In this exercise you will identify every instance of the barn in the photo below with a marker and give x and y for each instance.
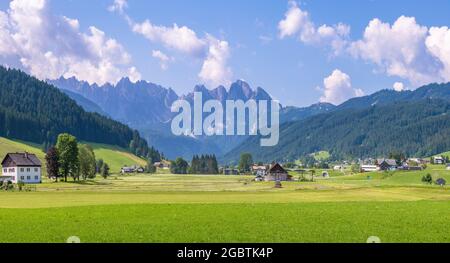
(277, 173)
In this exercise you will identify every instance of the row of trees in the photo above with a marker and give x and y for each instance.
(207, 164)
(69, 159)
(204, 164)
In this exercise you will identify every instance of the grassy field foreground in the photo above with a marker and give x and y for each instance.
(422, 221)
(396, 207)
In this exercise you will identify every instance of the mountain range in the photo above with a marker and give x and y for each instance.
(146, 107)
(359, 127)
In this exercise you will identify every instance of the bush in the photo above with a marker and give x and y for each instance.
(20, 185)
(427, 179)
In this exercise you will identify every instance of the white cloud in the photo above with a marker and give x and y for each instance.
(164, 60)
(215, 70)
(399, 86)
(297, 22)
(118, 6)
(214, 52)
(182, 39)
(294, 19)
(438, 44)
(50, 46)
(338, 88)
(407, 50)
(404, 49)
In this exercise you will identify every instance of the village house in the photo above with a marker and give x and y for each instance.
(277, 173)
(21, 167)
(259, 170)
(369, 168)
(163, 164)
(387, 164)
(438, 160)
(132, 169)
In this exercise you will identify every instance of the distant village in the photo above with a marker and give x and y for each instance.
(26, 168)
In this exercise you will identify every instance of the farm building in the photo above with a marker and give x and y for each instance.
(259, 170)
(132, 169)
(277, 173)
(163, 164)
(387, 164)
(369, 168)
(438, 160)
(21, 167)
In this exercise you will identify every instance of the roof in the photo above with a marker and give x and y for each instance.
(22, 159)
(390, 162)
(277, 168)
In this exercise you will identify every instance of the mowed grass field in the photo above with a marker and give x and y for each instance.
(396, 207)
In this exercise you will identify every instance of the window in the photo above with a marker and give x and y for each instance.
(28, 177)
(22, 178)
(28, 169)
(21, 169)
(12, 170)
(36, 177)
(5, 170)
(36, 169)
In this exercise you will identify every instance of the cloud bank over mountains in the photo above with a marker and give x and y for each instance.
(48, 46)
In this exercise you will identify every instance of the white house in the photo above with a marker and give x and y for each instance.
(369, 168)
(439, 160)
(21, 167)
(259, 170)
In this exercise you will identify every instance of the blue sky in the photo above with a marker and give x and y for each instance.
(239, 40)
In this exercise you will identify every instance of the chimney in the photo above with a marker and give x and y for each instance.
(26, 155)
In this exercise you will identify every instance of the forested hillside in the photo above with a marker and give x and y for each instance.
(34, 111)
(417, 128)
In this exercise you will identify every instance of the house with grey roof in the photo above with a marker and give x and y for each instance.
(387, 164)
(21, 167)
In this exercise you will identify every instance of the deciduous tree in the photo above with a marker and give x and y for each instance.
(69, 163)
(52, 163)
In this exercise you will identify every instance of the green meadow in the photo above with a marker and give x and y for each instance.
(396, 207)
